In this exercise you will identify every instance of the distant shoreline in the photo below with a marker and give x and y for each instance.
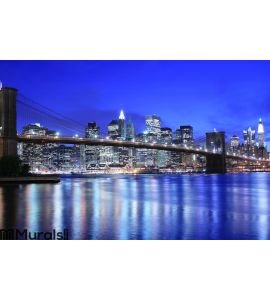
(31, 179)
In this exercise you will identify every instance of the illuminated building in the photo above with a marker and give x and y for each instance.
(249, 142)
(166, 136)
(186, 140)
(122, 125)
(261, 142)
(249, 137)
(34, 129)
(117, 131)
(141, 154)
(235, 144)
(67, 158)
(153, 131)
(37, 156)
(123, 153)
(92, 153)
(164, 157)
(177, 137)
(261, 151)
(47, 157)
(113, 130)
(92, 131)
(106, 156)
(130, 131)
(153, 124)
(186, 135)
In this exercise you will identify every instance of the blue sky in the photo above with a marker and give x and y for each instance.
(226, 95)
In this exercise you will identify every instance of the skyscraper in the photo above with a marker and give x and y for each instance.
(130, 131)
(164, 157)
(166, 135)
(91, 155)
(235, 144)
(92, 131)
(122, 125)
(177, 137)
(186, 139)
(153, 124)
(261, 142)
(141, 155)
(113, 130)
(249, 137)
(186, 135)
(249, 141)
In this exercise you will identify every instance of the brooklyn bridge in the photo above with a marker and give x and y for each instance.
(216, 161)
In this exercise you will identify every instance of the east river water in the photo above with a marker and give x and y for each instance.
(231, 206)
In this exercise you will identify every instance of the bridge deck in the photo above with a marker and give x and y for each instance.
(127, 144)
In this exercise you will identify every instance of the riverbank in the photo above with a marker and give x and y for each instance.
(30, 179)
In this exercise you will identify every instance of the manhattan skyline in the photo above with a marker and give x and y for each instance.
(225, 95)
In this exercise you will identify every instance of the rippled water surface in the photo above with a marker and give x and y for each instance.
(231, 206)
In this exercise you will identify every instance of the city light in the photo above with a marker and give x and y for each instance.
(98, 152)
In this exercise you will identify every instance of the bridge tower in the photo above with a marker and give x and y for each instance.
(215, 142)
(8, 121)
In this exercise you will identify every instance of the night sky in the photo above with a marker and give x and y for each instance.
(226, 95)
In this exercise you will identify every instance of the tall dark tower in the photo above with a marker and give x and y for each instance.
(215, 142)
(8, 121)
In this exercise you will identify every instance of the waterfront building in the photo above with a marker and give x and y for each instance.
(141, 154)
(106, 156)
(92, 156)
(67, 158)
(152, 155)
(50, 152)
(176, 160)
(49, 157)
(123, 156)
(40, 157)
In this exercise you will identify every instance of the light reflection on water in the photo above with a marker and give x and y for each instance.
(232, 206)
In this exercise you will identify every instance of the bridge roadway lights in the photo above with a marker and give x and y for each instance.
(215, 164)
(8, 122)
